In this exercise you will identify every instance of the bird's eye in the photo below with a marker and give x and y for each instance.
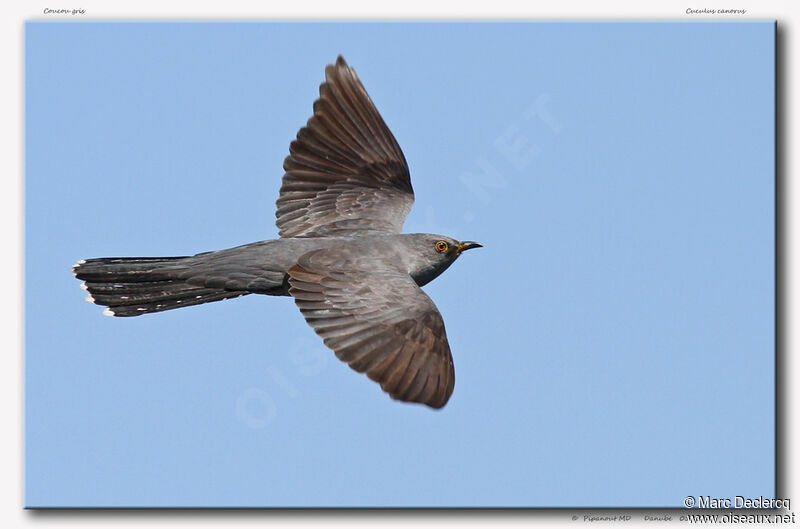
(441, 246)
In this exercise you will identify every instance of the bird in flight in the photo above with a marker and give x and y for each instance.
(341, 255)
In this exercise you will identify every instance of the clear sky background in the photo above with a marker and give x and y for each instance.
(613, 341)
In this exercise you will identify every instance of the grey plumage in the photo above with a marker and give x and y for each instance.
(355, 278)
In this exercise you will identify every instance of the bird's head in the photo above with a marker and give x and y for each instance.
(434, 254)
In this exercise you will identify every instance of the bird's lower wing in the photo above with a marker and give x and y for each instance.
(377, 320)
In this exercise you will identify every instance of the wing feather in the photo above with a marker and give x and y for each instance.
(345, 173)
(377, 320)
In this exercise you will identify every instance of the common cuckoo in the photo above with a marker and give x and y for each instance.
(341, 255)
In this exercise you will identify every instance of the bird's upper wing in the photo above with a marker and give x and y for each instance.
(378, 320)
(345, 172)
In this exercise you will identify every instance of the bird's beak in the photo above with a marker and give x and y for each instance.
(468, 245)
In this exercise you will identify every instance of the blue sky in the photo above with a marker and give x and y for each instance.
(613, 341)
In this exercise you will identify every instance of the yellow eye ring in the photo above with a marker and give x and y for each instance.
(441, 246)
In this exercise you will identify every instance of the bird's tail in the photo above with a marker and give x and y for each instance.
(131, 286)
